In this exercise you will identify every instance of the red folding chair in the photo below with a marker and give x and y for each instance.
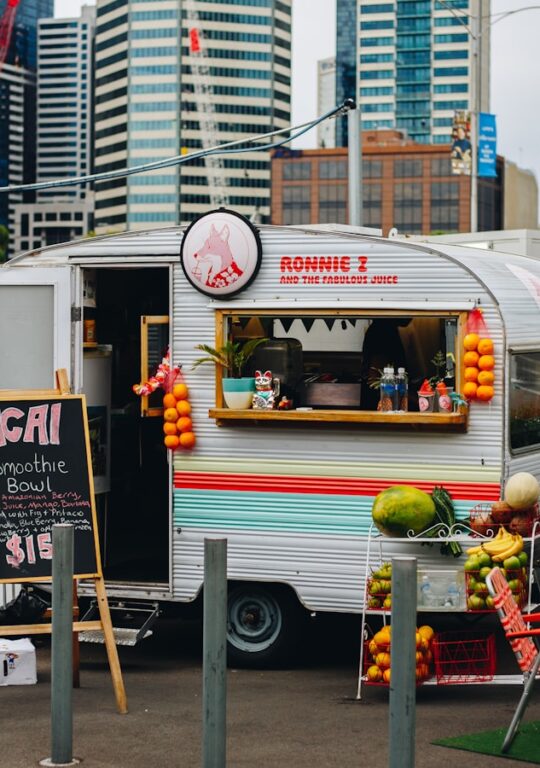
(520, 636)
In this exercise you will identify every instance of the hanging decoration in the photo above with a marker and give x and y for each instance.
(478, 359)
(177, 423)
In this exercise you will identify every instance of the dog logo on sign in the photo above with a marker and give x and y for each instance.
(216, 267)
(221, 253)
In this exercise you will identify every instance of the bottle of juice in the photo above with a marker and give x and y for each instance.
(387, 386)
(401, 391)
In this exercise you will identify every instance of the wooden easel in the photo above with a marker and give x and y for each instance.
(104, 623)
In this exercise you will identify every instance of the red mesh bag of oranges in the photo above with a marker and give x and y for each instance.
(478, 359)
(177, 424)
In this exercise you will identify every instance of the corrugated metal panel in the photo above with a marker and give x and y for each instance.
(326, 570)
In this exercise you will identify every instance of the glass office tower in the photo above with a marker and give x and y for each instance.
(18, 103)
(413, 62)
(151, 103)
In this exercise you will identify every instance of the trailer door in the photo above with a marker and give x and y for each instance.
(35, 326)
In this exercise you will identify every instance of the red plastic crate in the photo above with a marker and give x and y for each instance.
(464, 657)
(376, 600)
(476, 586)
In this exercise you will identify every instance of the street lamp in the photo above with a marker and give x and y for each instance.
(476, 30)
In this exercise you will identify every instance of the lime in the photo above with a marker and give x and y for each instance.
(484, 559)
(484, 572)
(523, 557)
(472, 563)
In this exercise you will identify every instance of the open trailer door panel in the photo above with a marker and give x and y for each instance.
(35, 317)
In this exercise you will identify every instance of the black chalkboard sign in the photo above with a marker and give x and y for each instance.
(45, 478)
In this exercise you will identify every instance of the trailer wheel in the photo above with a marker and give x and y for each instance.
(263, 626)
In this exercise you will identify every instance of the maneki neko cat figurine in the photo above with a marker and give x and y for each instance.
(264, 397)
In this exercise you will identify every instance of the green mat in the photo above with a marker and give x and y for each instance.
(525, 747)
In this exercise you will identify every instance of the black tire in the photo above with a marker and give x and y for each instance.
(263, 626)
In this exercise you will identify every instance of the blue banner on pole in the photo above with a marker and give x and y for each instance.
(487, 145)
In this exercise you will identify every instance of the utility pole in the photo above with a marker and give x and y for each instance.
(355, 167)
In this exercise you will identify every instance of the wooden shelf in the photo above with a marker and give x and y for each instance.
(434, 421)
(90, 344)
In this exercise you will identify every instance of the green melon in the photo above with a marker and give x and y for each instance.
(402, 508)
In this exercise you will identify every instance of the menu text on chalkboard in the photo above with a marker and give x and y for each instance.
(44, 479)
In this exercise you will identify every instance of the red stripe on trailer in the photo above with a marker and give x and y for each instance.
(341, 486)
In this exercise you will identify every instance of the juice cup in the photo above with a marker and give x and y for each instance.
(426, 402)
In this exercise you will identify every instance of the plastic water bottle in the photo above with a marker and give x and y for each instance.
(387, 386)
(427, 594)
(452, 595)
(401, 391)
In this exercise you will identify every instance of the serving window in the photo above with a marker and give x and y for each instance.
(327, 365)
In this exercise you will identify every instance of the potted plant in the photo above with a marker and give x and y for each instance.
(232, 357)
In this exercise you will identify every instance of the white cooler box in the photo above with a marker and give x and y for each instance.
(17, 662)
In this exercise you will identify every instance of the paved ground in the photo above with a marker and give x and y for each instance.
(306, 717)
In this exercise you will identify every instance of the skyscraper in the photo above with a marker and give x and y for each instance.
(17, 103)
(414, 62)
(64, 140)
(154, 99)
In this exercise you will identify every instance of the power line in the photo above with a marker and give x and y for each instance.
(229, 148)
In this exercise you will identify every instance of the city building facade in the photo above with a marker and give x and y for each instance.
(326, 100)
(64, 134)
(412, 63)
(406, 185)
(229, 78)
(18, 106)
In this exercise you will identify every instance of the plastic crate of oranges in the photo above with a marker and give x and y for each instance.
(378, 656)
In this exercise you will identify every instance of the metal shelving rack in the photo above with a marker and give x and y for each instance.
(466, 537)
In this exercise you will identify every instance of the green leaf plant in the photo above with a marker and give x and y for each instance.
(232, 356)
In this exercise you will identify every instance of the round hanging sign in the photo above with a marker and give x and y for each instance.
(221, 253)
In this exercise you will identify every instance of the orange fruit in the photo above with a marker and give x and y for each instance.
(183, 408)
(373, 648)
(426, 631)
(419, 657)
(471, 374)
(172, 442)
(469, 390)
(485, 392)
(485, 347)
(382, 660)
(386, 675)
(169, 427)
(170, 414)
(180, 391)
(470, 342)
(187, 439)
(169, 401)
(420, 672)
(184, 424)
(374, 673)
(486, 362)
(486, 377)
(470, 358)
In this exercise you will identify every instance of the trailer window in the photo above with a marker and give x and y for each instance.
(333, 361)
(524, 401)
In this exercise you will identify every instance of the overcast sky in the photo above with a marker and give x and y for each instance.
(515, 70)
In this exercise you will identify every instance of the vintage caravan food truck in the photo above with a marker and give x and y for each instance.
(291, 487)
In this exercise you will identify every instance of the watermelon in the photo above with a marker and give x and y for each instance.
(403, 508)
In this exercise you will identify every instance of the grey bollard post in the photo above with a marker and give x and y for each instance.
(402, 710)
(215, 654)
(62, 648)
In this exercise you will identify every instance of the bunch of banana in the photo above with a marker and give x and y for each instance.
(503, 545)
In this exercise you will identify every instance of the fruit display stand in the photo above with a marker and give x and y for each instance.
(459, 659)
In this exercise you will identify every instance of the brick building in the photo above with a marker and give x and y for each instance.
(405, 185)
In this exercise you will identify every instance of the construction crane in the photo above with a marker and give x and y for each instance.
(6, 28)
(202, 87)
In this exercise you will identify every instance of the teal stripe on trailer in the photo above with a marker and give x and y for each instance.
(310, 513)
